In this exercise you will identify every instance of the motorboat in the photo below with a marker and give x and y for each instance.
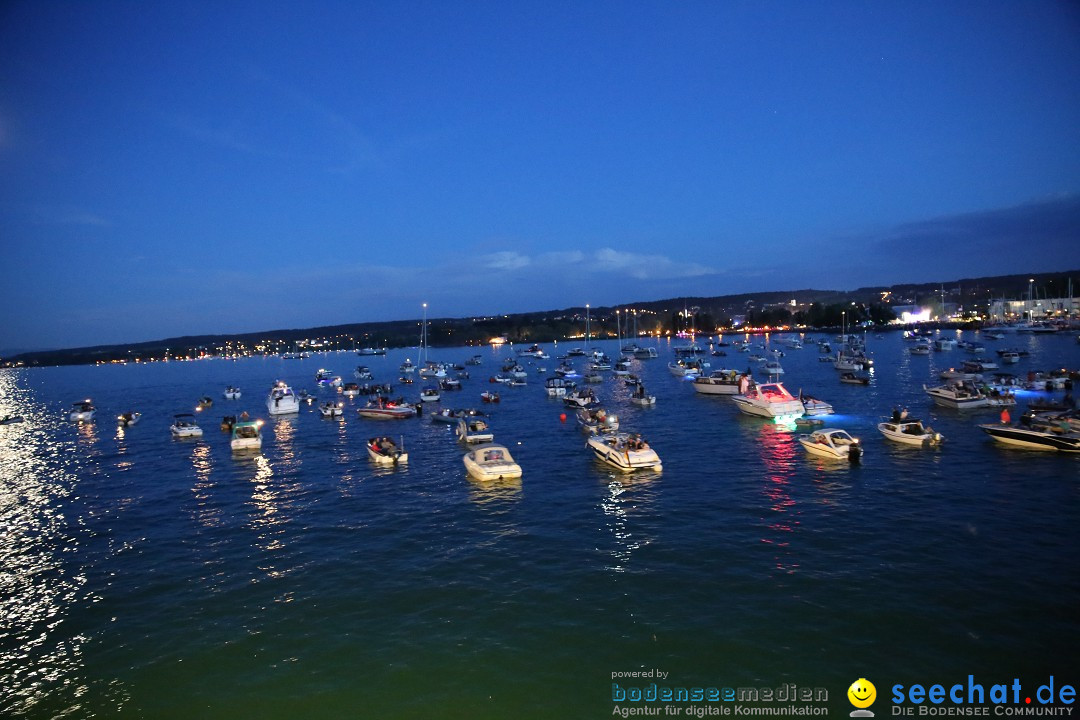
(772, 367)
(910, 432)
(769, 400)
(979, 366)
(597, 421)
(184, 425)
(430, 394)
(565, 369)
(232, 393)
(331, 409)
(625, 452)
(11, 419)
(474, 360)
(642, 398)
(385, 451)
(815, 406)
(407, 366)
(433, 370)
(474, 430)
(246, 435)
(490, 461)
(580, 399)
(350, 389)
(832, 443)
(371, 351)
(1034, 438)
(557, 386)
(129, 418)
(450, 384)
(306, 397)
(451, 417)
(920, 348)
(718, 382)
(489, 397)
(954, 374)
(362, 372)
(535, 351)
(1010, 357)
(645, 353)
(227, 422)
(854, 379)
(687, 366)
(965, 396)
(592, 377)
(380, 409)
(944, 344)
(622, 368)
(82, 411)
(324, 376)
(282, 400)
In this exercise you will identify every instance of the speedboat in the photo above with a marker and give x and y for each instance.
(491, 462)
(718, 382)
(205, 402)
(1010, 357)
(815, 406)
(232, 393)
(910, 432)
(331, 409)
(184, 425)
(920, 348)
(489, 397)
(960, 396)
(597, 421)
(385, 451)
(645, 353)
(350, 389)
(451, 417)
(82, 411)
(362, 372)
(449, 384)
(282, 400)
(324, 376)
(944, 344)
(385, 410)
(129, 418)
(687, 366)
(1034, 438)
(772, 367)
(474, 430)
(642, 398)
(854, 379)
(769, 400)
(832, 443)
(430, 394)
(246, 435)
(580, 399)
(625, 452)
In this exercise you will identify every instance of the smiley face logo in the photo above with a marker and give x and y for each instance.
(862, 693)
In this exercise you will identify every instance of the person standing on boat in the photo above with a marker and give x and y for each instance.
(1005, 417)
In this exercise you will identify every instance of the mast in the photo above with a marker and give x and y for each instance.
(421, 358)
(586, 327)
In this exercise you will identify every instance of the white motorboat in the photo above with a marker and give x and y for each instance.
(642, 398)
(815, 406)
(363, 372)
(718, 382)
(580, 399)
(1010, 357)
(920, 348)
(448, 416)
(832, 443)
(490, 461)
(944, 344)
(371, 351)
(597, 421)
(910, 432)
(184, 425)
(385, 410)
(622, 367)
(1034, 438)
(232, 393)
(82, 411)
(645, 353)
(282, 400)
(959, 396)
(772, 367)
(350, 389)
(129, 418)
(331, 409)
(474, 430)
(385, 451)
(557, 386)
(324, 376)
(449, 384)
(769, 400)
(979, 366)
(592, 377)
(624, 452)
(687, 366)
(246, 435)
(407, 366)
(430, 394)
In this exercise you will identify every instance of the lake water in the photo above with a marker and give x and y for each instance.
(150, 577)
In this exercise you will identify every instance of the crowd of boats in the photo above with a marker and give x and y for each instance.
(1053, 426)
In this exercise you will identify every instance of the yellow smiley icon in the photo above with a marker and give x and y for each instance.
(862, 693)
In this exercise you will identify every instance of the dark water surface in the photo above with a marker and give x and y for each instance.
(150, 577)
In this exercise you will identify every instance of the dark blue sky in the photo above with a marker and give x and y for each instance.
(201, 167)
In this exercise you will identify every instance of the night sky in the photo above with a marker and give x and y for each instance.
(172, 168)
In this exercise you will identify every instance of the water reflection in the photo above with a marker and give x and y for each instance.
(273, 499)
(625, 496)
(779, 455)
(490, 494)
(41, 658)
(205, 513)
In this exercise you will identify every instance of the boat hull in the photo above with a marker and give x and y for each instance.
(1026, 439)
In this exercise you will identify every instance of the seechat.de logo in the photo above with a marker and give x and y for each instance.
(862, 694)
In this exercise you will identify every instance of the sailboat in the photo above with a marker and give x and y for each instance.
(428, 369)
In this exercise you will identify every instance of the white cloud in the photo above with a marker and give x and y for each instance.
(506, 260)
